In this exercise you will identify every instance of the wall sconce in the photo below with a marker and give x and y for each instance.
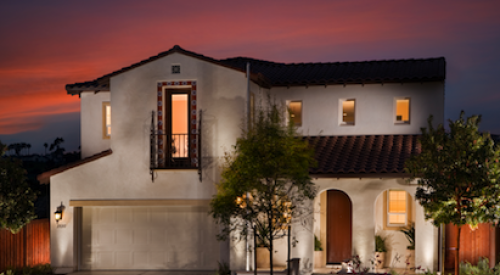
(59, 213)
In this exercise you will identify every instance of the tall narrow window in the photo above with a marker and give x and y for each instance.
(402, 110)
(179, 130)
(106, 120)
(397, 208)
(348, 108)
(295, 109)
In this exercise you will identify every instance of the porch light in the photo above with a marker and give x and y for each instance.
(59, 212)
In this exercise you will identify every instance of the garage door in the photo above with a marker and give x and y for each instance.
(162, 237)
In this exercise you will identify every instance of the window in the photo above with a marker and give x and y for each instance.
(295, 109)
(402, 110)
(348, 108)
(106, 120)
(179, 125)
(397, 208)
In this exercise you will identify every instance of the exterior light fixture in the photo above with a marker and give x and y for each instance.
(59, 212)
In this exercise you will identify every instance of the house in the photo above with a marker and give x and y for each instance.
(152, 138)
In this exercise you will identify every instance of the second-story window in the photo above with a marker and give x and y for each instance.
(178, 134)
(402, 110)
(106, 120)
(348, 111)
(295, 109)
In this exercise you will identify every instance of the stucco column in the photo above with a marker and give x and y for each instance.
(363, 227)
(426, 241)
(237, 250)
(303, 233)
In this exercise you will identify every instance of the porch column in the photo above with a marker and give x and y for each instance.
(303, 232)
(426, 241)
(363, 226)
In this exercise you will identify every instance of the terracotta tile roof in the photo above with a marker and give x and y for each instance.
(362, 156)
(268, 74)
(44, 178)
(383, 71)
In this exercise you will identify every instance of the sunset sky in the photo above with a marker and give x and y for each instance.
(48, 44)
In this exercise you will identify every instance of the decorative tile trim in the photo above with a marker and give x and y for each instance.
(193, 146)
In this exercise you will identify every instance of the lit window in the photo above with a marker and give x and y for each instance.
(295, 109)
(397, 208)
(106, 120)
(348, 107)
(403, 110)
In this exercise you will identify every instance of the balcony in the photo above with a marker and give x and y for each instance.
(174, 151)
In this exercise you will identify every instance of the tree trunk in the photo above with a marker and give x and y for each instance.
(457, 251)
(254, 251)
(288, 255)
(271, 243)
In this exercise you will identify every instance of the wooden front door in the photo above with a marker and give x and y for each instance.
(338, 227)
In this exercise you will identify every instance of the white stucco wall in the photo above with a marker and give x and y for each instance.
(92, 141)
(374, 107)
(125, 174)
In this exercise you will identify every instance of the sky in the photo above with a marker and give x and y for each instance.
(47, 44)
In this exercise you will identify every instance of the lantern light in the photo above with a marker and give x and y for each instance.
(59, 213)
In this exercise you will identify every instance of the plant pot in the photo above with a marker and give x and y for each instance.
(379, 260)
(263, 257)
(410, 258)
(318, 259)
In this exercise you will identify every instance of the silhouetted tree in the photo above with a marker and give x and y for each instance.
(16, 197)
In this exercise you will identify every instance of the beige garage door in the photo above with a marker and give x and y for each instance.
(162, 237)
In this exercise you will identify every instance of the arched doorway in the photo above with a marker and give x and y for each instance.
(338, 227)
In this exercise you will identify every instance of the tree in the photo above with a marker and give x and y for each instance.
(16, 197)
(458, 175)
(264, 179)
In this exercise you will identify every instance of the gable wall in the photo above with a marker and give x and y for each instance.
(125, 174)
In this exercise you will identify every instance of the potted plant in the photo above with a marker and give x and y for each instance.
(380, 250)
(262, 247)
(410, 250)
(318, 253)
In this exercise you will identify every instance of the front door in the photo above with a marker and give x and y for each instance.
(339, 227)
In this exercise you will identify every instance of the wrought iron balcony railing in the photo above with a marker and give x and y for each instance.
(175, 151)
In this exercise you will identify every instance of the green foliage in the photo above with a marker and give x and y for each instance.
(410, 236)
(265, 179)
(42, 269)
(16, 197)
(380, 244)
(482, 268)
(458, 174)
(223, 269)
(317, 244)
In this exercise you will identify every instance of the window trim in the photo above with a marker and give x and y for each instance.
(301, 112)
(394, 115)
(105, 134)
(341, 112)
(386, 224)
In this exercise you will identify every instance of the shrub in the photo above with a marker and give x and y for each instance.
(380, 244)
(482, 268)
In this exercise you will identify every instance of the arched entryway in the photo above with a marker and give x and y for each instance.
(338, 227)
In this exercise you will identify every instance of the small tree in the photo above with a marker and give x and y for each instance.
(458, 175)
(16, 197)
(264, 179)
